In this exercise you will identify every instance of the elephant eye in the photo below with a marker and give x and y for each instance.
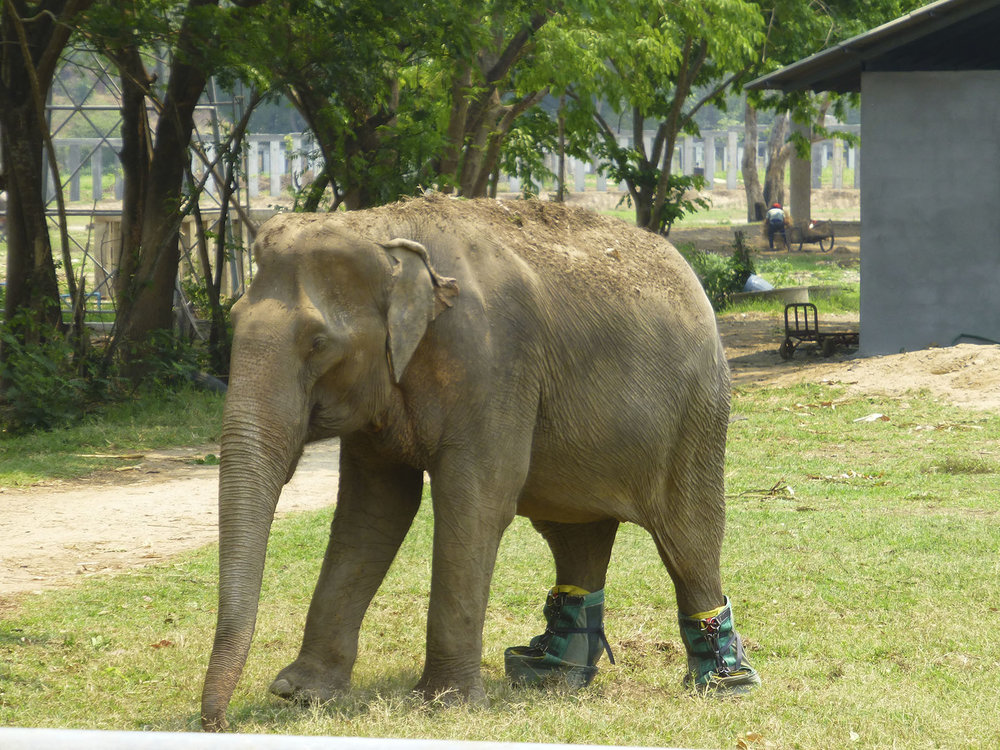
(325, 350)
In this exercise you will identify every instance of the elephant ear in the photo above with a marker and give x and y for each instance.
(418, 294)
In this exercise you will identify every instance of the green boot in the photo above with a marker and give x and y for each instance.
(716, 660)
(568, 650)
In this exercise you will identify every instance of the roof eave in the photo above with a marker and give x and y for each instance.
(817, 71)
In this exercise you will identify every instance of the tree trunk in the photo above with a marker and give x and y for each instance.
(756, 207)
(29, 55)
(455, 134)
(479, 120)
(779, 150)
(32, 287)
(148, 269)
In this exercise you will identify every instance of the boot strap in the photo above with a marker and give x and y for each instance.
(579, 631)
(710, 632)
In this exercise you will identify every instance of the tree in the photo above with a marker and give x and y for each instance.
(32, 38)
(401, 95)
(658, 64)
(491, 86)
(352, 69)
(154, 153)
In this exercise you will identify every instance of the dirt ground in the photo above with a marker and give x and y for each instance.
(161, 503)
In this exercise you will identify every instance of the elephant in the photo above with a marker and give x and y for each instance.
(533, 359)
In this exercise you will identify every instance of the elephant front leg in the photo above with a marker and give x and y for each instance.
(470, 516)
(375, 508)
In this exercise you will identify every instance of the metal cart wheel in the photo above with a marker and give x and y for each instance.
(826, 243)
(787, 349)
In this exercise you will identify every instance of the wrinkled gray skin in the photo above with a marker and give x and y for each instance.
(516, 394)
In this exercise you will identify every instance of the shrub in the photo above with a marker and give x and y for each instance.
(44, 385)
(721, 276)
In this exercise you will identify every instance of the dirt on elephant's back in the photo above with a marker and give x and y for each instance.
(583, 249)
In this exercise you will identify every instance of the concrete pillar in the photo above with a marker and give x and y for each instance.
(732, 159)
(687, 155)
(856, 151)
(800, 183)
(838, 163)
(97, 174)
(74, 172)
(579, 175)
(710, 160)
(276, 166)
(602, 183)
(297, 164)
(253, 168)
(513, 184)
(817, 153)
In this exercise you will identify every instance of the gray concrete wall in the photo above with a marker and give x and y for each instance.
(930, 209)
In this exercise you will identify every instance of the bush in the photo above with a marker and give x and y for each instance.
(721, 276)
(44, 385)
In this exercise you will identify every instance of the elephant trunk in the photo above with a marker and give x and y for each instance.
(255, 463)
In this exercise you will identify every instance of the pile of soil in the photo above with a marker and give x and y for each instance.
(966, 375)
(585, 250)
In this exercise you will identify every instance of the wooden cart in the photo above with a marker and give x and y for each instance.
(819, 232)
(802, 326)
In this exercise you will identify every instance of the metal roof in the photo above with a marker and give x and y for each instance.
(944, 35)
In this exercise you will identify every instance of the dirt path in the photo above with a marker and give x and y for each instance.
(163, 504)
(966, 375)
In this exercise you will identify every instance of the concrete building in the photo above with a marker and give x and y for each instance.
(930, 181)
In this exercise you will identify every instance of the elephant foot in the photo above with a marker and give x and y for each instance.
(301, 682)
(567, 652)
(451, 694)
(717, 663)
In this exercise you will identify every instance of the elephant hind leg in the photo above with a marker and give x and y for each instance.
(693, 564)
(581, 551)
(687, 525)
(689, 541)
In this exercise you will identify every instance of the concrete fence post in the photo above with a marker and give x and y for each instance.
(838, 163)
(709, 160)
(732, 159)
(276, 165)
(74, 172)
(97, 174)
(253, 167)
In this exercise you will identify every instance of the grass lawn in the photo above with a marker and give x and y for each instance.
(150, 420)
(860, 558)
